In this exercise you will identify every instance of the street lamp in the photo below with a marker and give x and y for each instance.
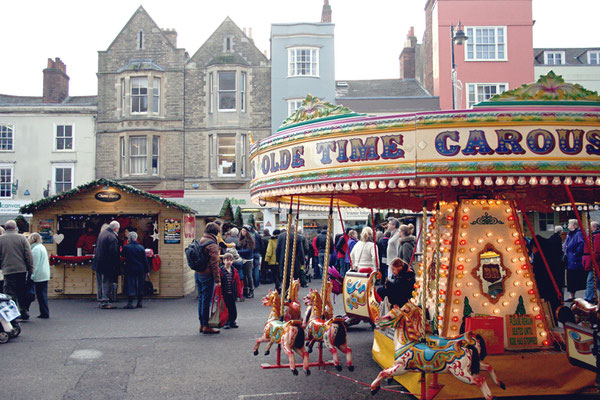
(459, 39)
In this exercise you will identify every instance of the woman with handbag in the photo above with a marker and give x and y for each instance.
(364, 252)
(41, 273)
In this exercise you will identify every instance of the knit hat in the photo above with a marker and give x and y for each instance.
(276, 232)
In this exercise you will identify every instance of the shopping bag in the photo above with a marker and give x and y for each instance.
(218, 311)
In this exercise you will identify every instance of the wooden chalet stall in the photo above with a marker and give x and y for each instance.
(164, 228)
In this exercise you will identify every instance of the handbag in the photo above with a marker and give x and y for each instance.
(218, 310)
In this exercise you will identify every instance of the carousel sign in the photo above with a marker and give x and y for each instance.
(107, 196)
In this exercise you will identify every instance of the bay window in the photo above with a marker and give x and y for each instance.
(303, 61)
(227, 91)
(228, 155)
(139, 155)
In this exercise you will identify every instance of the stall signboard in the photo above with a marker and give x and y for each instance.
(172, 231)
(521, 331)
(46, 230)
(189, 226)
(108, 196)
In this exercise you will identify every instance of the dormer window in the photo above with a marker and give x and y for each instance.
(594, 57)
(140, 40)
(554, 57)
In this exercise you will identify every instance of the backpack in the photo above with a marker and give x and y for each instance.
(197, 258)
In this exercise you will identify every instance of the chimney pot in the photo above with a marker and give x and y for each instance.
(56, 82)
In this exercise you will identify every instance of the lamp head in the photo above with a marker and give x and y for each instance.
(460, 37)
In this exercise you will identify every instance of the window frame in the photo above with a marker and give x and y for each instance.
(243, 97)
(57, 166)
(138, 96)
(293, 65)
(476, 85)
(56, 126)
(156, 92)
(123, 154)
(137, 156)
(218, 154)
(10, 167)
(243, 154)
(7, 127)
(155, 155)
(227, 91)
(554, 53)
(473, 36)
(589, 58)
(293, 102)
(211, 92)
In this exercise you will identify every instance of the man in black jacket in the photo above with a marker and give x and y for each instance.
(321, 244)
(281, 241)
(107, 262)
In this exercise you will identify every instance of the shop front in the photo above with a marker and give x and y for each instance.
(70, 222)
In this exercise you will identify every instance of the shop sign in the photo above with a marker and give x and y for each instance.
(11, 207)
(172, 231)
(107, 196)
(46, 230)
(521, 331)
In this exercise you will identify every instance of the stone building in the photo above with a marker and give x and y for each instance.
(176, 125)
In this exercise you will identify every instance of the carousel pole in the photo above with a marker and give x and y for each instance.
(375, 242)
(437, 268)
(326, 260)
(585, 235)
(343, 228)
(424, 282)
(293, 266)
(537, 243)
(286, 258)
(593, 255)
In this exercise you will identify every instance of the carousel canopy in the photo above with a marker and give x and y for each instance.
(524, 144)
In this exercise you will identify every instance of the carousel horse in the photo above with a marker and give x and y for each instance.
(332, 331)
(287, 333)
(292, 306)
(328, 307)
(460, 356)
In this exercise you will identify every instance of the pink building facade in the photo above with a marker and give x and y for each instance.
(497, 56)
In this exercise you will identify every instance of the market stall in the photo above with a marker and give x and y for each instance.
(69, 223)
(474, 174)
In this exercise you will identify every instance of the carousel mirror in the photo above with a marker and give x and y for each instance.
(491, 273)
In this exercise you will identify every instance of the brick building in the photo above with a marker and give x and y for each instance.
(177, 125)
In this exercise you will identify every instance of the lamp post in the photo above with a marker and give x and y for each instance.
(459, 38)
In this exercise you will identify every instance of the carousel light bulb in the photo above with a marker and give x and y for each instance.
(363, 185)
(489, 234)
(433, 182)
(598, 181)
(578, 180)
(533, 181)
(543, 334)
(516, 283)
(477, 181)
(354, 186)
(401, 183)
(463, 234)
(518, 272)
(510, 180)
(499, 181)
(459, 275)
(411, 183)
(469, 284)
(568, 181)
(485, 304)
(466, 181)
(391, 184)
(526, 275)
(540, 326)
(509, 249)
(488, 181)
(455, 311)
(480, 240)
(521, 258)
(456, 301)
(444, 182)
(529, 283)
(422, 182)
(454, 181)
(475, 294)
(512, 294)
(454, 328)
(514, 260)
(499, 240)
(472, 249)
(521, 180)
(458, 284)
(536, 309)
(505, 303)
(556, 180)
(468, 260)
(496, 311)
(589, 181)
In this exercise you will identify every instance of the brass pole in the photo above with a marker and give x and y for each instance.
(293, 266)
(326, 260)
(424, 272)
(286, 258)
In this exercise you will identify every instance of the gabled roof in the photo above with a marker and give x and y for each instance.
(223, 26)
(573, 55)
(377, 88)
(144, 13)
(46, 202)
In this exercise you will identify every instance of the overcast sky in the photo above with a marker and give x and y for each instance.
(369, 34)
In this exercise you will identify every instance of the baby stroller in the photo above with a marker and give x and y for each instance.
(9, 326)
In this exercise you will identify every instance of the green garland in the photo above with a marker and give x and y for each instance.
(43, 203)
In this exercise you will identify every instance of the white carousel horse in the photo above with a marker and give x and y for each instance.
(332, 332)
(461, 356)
(287, 333)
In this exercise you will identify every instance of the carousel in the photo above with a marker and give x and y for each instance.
(474, 175)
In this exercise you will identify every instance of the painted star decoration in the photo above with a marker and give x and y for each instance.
(154, 235)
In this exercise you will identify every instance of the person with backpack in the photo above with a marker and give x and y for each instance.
(207, 275)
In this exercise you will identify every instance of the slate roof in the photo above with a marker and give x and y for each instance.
(380, 88)
(70, 101)
(573, 56)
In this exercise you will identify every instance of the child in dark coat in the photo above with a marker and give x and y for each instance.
(231, 287)
(399, 284)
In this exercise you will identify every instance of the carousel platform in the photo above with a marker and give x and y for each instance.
(524, 373)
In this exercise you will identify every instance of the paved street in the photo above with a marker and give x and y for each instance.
(83, 352)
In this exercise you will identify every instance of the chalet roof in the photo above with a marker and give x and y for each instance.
(48, 201)
(573, 55)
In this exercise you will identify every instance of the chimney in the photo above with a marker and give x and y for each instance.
(326, 13)
(56, 82)
(408, 56)
(171, 34)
